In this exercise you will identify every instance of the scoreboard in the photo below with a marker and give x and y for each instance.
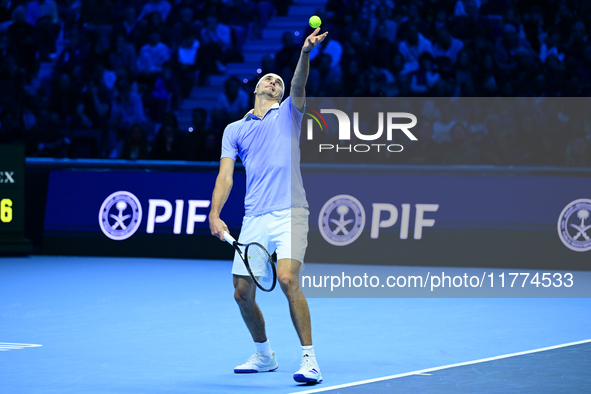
(12, 192)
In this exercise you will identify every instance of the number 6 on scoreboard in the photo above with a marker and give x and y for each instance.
(6, 210)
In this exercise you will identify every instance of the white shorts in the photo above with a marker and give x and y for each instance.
(284, 232)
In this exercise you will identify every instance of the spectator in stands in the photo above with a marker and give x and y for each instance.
(552, 45)
(424, 150)
(22, 37)
(439, 23)
(462, 71)
(167, 144)
(584, 70)
(184, 62)
(288, 55)
(548, 153)
(372, 84)
(43, 15)
(232, 104)
(161, 6)
(503, 151)
(151, 58)
(135, 146)
(459, 150)
(38, 9)
(128, 26)
(64, 99)
(464, 25)
(126, 109)
(327, 75)
(412, 17)
(381, 48)
(355, 49)
(487, 78)
(97, 54)
(575, 48)
(73, 57)
(400, 83)
(555, 75)
(216, 39)
(164, 95)
(510, 47)
(351, 79)
(383, 17)
(210, 148)
(185, 28)
(563, 19)
(425, 78)
(412, 47)
(95, 102)
(152, 23)
(45, 138)
(193, 138)
(10, 130)
(331, 47)
(447, 46)
(216, 33)
(443, 125)
(96, 16)
(199, 122)
(123, 56)
(578, 152)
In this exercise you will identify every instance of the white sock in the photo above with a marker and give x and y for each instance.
(308, 351)
(264, 348)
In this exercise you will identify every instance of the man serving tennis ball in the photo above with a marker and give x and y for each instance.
(276, 210)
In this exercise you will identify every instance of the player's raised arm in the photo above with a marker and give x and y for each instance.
(221, 191)
(300, 76)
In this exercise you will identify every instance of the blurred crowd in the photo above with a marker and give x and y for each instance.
(128, 65)
(501, 131)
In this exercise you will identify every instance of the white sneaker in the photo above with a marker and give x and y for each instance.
(258, 363)
(308, 372)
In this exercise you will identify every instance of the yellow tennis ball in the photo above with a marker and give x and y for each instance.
(315, 22)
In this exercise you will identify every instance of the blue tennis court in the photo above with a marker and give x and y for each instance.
(130, 325)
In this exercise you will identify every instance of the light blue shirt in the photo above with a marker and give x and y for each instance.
(270, 151)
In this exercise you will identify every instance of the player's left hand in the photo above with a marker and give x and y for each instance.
(314, 39)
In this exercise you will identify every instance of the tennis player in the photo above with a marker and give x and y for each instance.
(276, 210)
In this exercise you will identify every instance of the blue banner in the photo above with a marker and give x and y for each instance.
(361, 217)
(135, 213)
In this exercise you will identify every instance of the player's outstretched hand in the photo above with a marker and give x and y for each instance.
(217, 227)
(314, 39)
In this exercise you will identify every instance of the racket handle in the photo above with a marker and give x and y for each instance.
(228, 238)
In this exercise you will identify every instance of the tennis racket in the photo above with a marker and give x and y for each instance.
(258, 262)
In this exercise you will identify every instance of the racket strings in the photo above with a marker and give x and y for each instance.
(261, 265)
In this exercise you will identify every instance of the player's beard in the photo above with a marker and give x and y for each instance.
(266, 95)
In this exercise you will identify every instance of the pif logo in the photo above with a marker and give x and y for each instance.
(344, 131)
(120, 215)
(342, 219)
(574, 233)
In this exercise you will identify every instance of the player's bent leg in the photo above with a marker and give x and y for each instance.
(244, 294)
(289, 279)
(288, 275)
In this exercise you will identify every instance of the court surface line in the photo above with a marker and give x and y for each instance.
(5, 346)
(424, 371)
